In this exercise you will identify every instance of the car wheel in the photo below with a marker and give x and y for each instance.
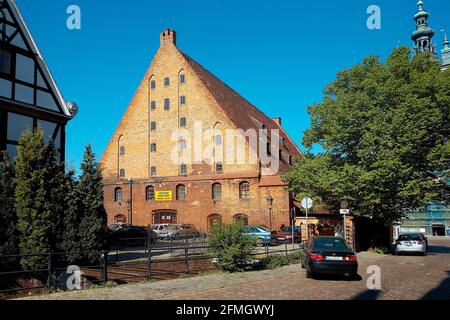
(425, 253)
(260, 242)
(309, 274)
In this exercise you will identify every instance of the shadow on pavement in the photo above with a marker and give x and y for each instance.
(336, 277)
(367, 295)
(441, 292)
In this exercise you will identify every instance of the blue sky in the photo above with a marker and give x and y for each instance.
(278, 54)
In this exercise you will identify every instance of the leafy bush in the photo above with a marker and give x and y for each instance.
(230, 248)
(381, 250)
(279, 260)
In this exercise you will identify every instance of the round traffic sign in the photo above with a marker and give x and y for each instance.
(307, 203)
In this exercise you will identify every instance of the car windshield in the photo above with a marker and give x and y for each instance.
(333, 244)
(263, 229)
(408, 237)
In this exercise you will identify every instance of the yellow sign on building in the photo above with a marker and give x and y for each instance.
(163, 195)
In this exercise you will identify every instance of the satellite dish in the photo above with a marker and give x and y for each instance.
(73, 108)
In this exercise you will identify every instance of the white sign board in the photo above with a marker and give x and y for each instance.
(307, 203)
(345, 211)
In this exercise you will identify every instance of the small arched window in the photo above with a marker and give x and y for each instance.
(120, 218)
(244, 190)
(216, 191)
(118, 195)
(214, 221)
(242, 218)
(181, 192)
(150, 193)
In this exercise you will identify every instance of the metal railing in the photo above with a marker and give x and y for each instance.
(121, 263)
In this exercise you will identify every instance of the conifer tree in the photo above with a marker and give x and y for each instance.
(8, 218)
(34, 223)
(92, 229)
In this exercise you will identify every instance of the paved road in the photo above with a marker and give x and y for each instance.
(402, 277)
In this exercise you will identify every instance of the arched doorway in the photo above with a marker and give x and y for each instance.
(242, 218)
(120, 218)
(164, 216)
(214, 220)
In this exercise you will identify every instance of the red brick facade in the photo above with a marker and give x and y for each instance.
(194, 94)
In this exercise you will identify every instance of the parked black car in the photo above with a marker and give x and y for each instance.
(131, 235)
(329, 255)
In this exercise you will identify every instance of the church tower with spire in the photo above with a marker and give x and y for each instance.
(423, 35)
(445, 54)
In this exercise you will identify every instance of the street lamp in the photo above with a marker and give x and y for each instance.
(269, 203)
(130, 202)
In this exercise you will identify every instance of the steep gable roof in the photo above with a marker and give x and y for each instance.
(243, 114)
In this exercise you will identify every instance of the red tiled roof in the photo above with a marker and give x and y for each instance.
(239, 110)
(271, 181)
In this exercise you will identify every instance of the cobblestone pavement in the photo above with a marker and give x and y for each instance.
(402, 277)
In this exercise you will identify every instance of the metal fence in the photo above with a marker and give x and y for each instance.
(126, 261)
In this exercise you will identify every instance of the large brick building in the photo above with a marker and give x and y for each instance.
(179, 107)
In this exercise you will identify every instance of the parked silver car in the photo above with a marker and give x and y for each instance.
(411, 243)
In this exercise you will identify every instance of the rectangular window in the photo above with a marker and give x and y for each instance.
(183, 170)
(5, 61)
(167, 104)
(153, 126)
(218, 140)
(219, 167)
(122, 173)
(183, 144)
(166, 82)
(153, 147)
(25, 68)
(153, 105)
(153, 171)
(182, 100)
(122, 150)
(17, 124)
(153, 84)
(182, 79)
(183, 122)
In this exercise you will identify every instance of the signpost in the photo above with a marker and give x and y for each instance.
(307, 203)
(344, 212)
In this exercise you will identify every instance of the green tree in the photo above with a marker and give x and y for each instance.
(8, 218)
(34, 220)
(384, 133)
(69, 235)
(92, 229)
(231, 248)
